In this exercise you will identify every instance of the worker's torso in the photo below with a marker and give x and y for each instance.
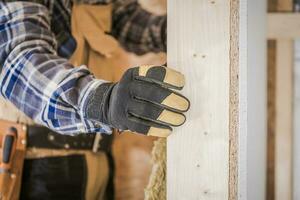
(94, 170)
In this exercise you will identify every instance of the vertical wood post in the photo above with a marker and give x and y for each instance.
(284, 113)
(207, 41)
(283, 128)
(211, 155)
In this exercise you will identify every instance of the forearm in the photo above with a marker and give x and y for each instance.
(138, 30)
(41, 84)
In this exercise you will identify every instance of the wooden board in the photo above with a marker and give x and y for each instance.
(283, 25)
(283, 128)
(200, 46)
(280, 53)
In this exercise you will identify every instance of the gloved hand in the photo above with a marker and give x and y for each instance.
(142, 101)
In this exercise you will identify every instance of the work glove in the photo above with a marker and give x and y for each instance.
(141, 102)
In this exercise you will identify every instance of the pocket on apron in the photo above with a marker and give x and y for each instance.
(59, 178)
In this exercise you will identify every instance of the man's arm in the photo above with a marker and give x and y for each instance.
(70, 100)
(138, 30)
(41, 84)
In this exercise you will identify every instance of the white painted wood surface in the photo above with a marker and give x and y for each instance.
(284, 110)
(198, 152)
(296, 149)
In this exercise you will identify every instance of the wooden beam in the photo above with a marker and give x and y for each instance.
(206, 44)
(280, 84)
(283, 25)
(284, 113)
(283, 126)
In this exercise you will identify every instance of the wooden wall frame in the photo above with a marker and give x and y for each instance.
(283, 27)
(207, 157)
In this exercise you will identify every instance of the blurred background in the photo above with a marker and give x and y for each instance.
(283, 134)
(132, 152)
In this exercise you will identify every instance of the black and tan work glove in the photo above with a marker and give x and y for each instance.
(142, 101)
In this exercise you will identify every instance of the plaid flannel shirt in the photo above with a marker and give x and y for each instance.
(35, 42)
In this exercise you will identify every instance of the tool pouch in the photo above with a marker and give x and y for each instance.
(12, 155)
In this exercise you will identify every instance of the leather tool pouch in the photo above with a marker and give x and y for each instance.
(10, 180)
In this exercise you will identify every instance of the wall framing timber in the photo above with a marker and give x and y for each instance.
(207, 157)
(280, 99)
(283, 126)
(283, 25)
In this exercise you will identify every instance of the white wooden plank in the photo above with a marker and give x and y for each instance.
(283, 130)
(198, 152)
(283, 25)
(296, 149)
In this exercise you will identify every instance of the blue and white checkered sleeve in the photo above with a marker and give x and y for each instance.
(44, 86)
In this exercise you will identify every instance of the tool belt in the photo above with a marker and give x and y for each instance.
(42, 137)
(11, 159)
(13, 150)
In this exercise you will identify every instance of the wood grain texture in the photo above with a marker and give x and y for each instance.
(283, 126)
(283, 25)
(198, 153)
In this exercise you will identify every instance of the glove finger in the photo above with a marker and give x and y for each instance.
(148, 128)
(161, 96)
(161, 75)
(156, 114)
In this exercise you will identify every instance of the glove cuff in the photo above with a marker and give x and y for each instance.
(98, 103)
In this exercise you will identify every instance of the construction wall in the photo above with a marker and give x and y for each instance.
(283, 91)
